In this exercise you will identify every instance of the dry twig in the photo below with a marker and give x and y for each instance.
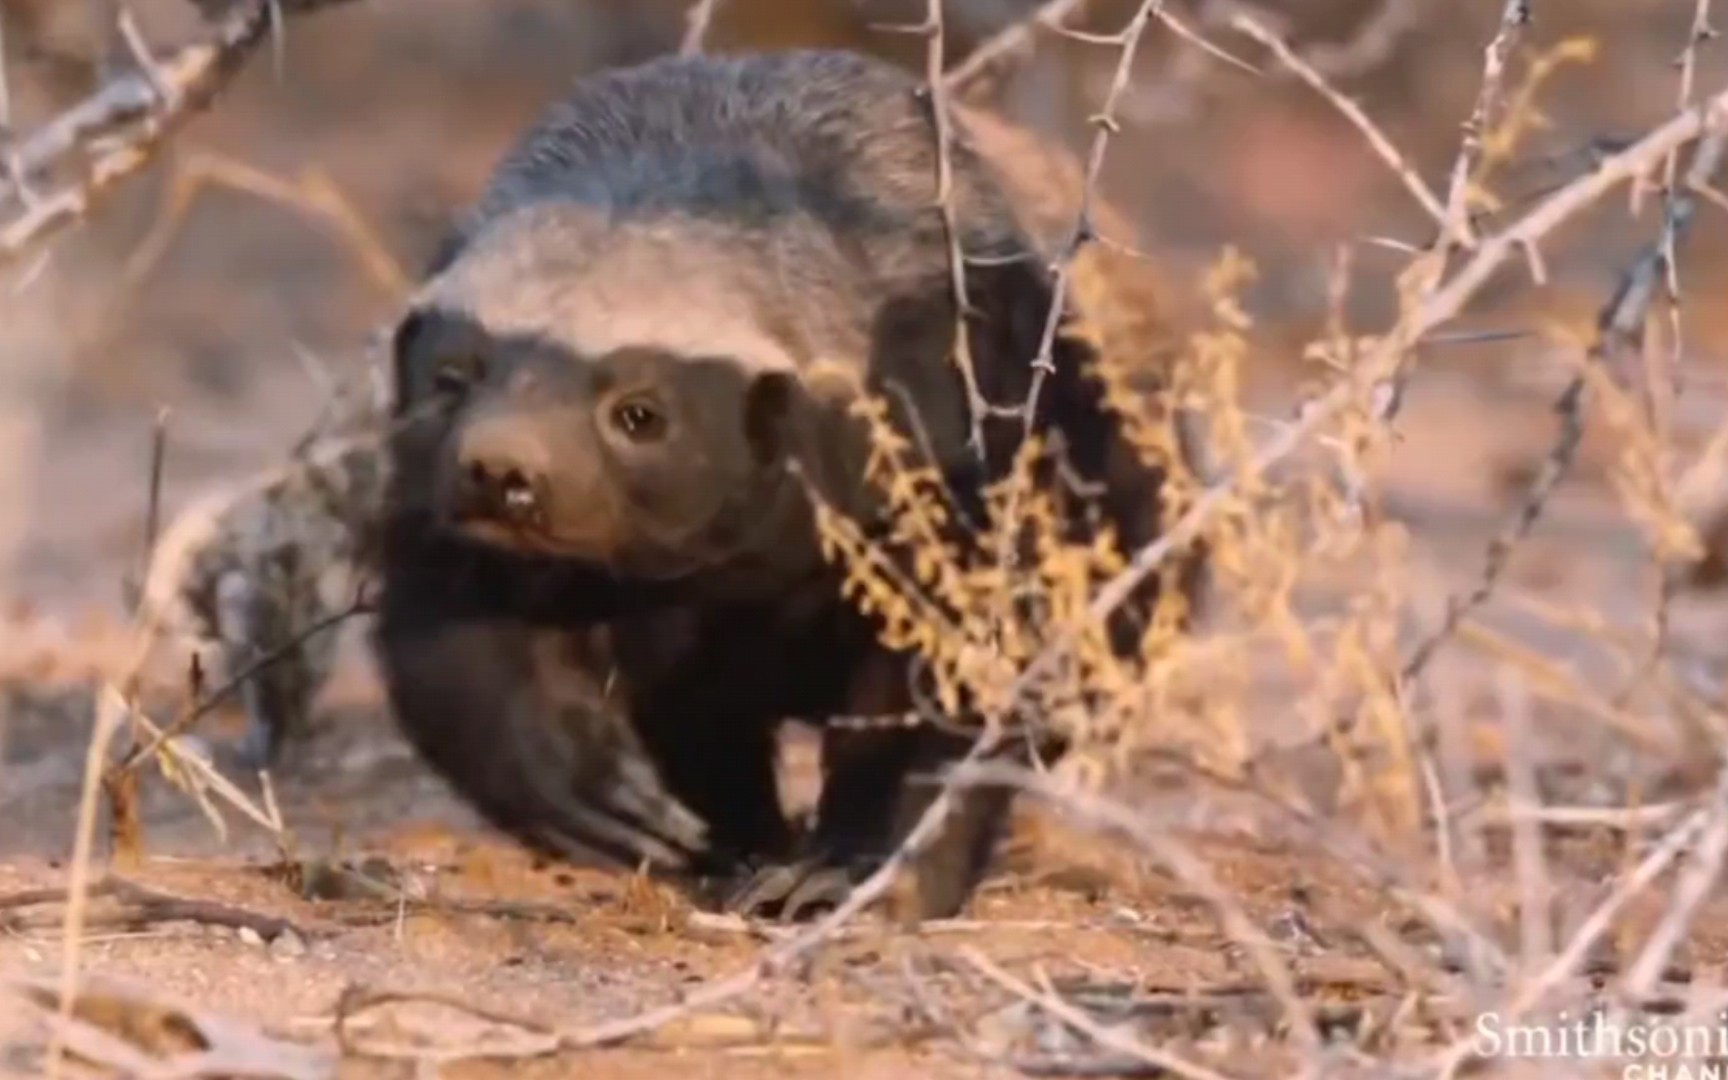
(697, 23)
(1533, 991)
(110, 710)
(140, 906)
(1115, 1040)
(214, 698)
(1514, 17)
(1377, 140)
(1012, 40)
(125, 122)
(1702, 873)
(312, 193)
(1128, 43)
(1439, 303)
(934, 30)
(1102, 813)
(1620, 331)
(1662, 388)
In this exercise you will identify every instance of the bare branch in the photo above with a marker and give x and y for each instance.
(1513, 19)
(110, 710)
(1438, 305)
(1533, 991)
(1662, 388)
(1620, 330)
(1193, 871)
(125, 122)
(1529, 859)
(697, 22)
(1696, 883)
(208, 702)
(1085, 228)
(1012, 40)
(935, 30)
(1105, 1036)
(1377, 140)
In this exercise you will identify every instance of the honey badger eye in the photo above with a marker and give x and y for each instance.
(639, 420)
(455, 375)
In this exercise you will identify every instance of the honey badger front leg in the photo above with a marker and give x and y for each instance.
(878, 782)
(508, 715)
(880, 774)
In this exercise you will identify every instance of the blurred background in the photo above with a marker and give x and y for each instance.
(232, 313)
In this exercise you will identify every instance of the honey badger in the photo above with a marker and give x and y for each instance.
(602, 587)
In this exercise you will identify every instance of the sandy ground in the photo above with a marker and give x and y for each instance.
(404, 113)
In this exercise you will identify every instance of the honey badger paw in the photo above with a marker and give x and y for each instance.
(788, 892)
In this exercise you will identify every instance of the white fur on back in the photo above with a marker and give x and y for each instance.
(681, 284)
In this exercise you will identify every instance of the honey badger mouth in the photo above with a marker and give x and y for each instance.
(530, 537)
(515, 503)
(514, 512)
(521, 515)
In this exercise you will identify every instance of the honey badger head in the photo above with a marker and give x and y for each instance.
(599, 392)
(613, 360)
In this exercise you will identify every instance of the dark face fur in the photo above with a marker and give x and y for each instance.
(650, 464)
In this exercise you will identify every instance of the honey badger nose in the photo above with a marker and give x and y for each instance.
(502, 472)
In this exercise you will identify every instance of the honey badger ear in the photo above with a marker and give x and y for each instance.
(403, 341)
(768, 410)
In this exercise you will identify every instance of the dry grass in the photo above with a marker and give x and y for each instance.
(1464, 797)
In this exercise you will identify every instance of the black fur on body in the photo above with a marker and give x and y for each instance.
(602, 588)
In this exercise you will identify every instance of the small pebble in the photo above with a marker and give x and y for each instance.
(287, 946)
(250, 936)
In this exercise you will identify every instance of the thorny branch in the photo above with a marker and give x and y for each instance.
(124, 122)
(934, 28)
(1440, 302)
(1053, 16)
(1513, 19)
(1620, 333)
(1128, 42)
(938, 86)
(697, 23)
(1678, 207)
(1011, 40)
(1377, 140)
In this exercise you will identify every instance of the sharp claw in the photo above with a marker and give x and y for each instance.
(767, 886)
(787, 891)
(829, 885)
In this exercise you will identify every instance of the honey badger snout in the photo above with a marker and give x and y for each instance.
(503, 469)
